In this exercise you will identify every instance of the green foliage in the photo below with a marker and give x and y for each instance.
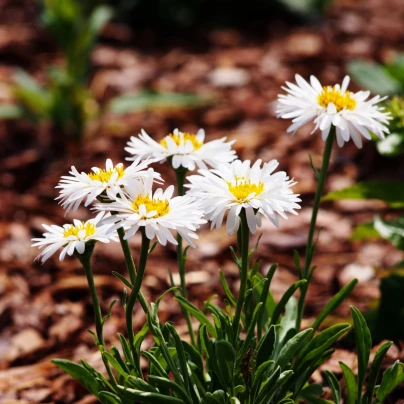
(148, 100)
(65, 100)
(380, 79)
(307, 8)
(390, 191)
(372, 393)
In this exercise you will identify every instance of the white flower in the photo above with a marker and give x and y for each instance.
(352, 114)
(102, 182)
(237, 185)
(185, 149)
(72, 237)
(158, 213)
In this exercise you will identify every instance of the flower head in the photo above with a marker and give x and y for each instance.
(239, 185)
(157, 212)
(186, 149)
(72, 237)
(105, 182)
(352, 114)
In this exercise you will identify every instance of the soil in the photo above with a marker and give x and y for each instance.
(45, 310)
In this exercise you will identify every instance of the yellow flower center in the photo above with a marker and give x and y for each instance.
(178, 138)
(73, 230)
(104, 175)
(341, 100)
(162, 207)
(242, 188)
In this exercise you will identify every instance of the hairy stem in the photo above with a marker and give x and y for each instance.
(85, 260)
(244, 235)
(135, 293)
(180, 174)
(321, 177)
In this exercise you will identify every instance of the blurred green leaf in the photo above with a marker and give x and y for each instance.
(365, 231)
(396, 68)
(108, 398)
(392, 230)
(306, 7)
(11, 112)
(392, 377)
(146, 397)
(98, 18)
(148, 100)
(374, 77)
(390, 191)
(392, 145)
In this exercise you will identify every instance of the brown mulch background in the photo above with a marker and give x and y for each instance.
(45, 310)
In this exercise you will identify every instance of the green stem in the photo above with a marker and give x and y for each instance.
(130, 265)
(180, 174)
(244, 234)
(321, 177)
(135, 293)
(85, 260)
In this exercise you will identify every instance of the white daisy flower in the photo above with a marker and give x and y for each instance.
(105, 183)
(186, 149)
(157, 212)
(72, 237)
(352, 114)
(238, 185)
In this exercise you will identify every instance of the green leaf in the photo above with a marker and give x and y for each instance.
(109, 398)
(98, 18)
(392, 377)
(154, 365)
(392, 145)
(250, 333)
(11, 112)
(79, 373)
(164, 383)
(318, 345)
(126, 350)
(310, 393)
(139, 384)
(334, 303)
(226, 358)
(146, 397)
(190, 308)
(146, 100)
(291, 348)
(181, 357)
(390, 191)
(334, 385)
(116, 364)
(373, 77)
(365, 231)
(266, 346)
(392, 230)
(351, 385)
(363, 345)
(226, 289)
(123, 279)
(374, 372)
(108, 315)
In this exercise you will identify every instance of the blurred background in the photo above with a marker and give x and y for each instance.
(77, 79)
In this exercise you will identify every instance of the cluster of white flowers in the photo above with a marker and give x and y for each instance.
(126, 198)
